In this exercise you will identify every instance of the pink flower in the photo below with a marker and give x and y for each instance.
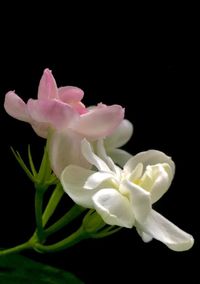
(61, 111)
(52, 108)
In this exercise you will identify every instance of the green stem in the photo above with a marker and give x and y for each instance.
(41, 220)
(52, 204)
(73, 213)
(45, 169)
(38, 213)
(16, 249)
(71, 240)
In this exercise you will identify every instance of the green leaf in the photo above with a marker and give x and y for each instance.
(17, 269)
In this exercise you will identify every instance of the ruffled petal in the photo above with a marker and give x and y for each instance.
(73, 180)
(65, 149)
(100, 121)
(101, 152)
(136, 174)
(114, 208)
(56, 113)
(150, 157)
(97, 178)
(16, 107)
(120, 136)
(92, 158)
(157, 180)
(139, 199)
(119, 156)
(47, 87)
(163, 230)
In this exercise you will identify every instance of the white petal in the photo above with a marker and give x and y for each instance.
(93, 159)
(163, 230)
(161, 180)
(139, 199)
(120, 136)
(150, 157)
(119, 156)
(73, 179)
(65, 149)
(145, 237)
(101, 152)
(114, 208)
(41, 129)
(96, 179)
(136, 173)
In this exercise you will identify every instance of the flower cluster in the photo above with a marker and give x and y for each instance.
(83, 159)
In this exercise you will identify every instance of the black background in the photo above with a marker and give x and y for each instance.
(117, 59)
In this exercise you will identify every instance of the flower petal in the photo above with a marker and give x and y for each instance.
(92, 158)
(101, 152)
(16, 107)
(65, 149)
(41, 129)
(59, 115)
(139, 199)
(163, 230)
(73, 97)
(70, 94)
(119, 156)
(150, 157)
(73, 179)
(136, 173)
(113, 207)
(120, 136)
(100, 121)
(47, 87)
(157, 180)
(145, 237)
(97, 178)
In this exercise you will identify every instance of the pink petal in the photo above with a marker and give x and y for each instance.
(47, 87)
(59, 115)
(73, 97)
(70, 94)
(100, 121)
(15, 106)
(79, 107)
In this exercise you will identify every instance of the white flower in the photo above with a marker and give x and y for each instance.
(117, 139)
(125, 197)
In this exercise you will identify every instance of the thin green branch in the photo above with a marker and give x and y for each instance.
(38, 213)
(22, 164)
(73, 213)
(31, 161)
(71, 240)
(53, 203)
(16, 249)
